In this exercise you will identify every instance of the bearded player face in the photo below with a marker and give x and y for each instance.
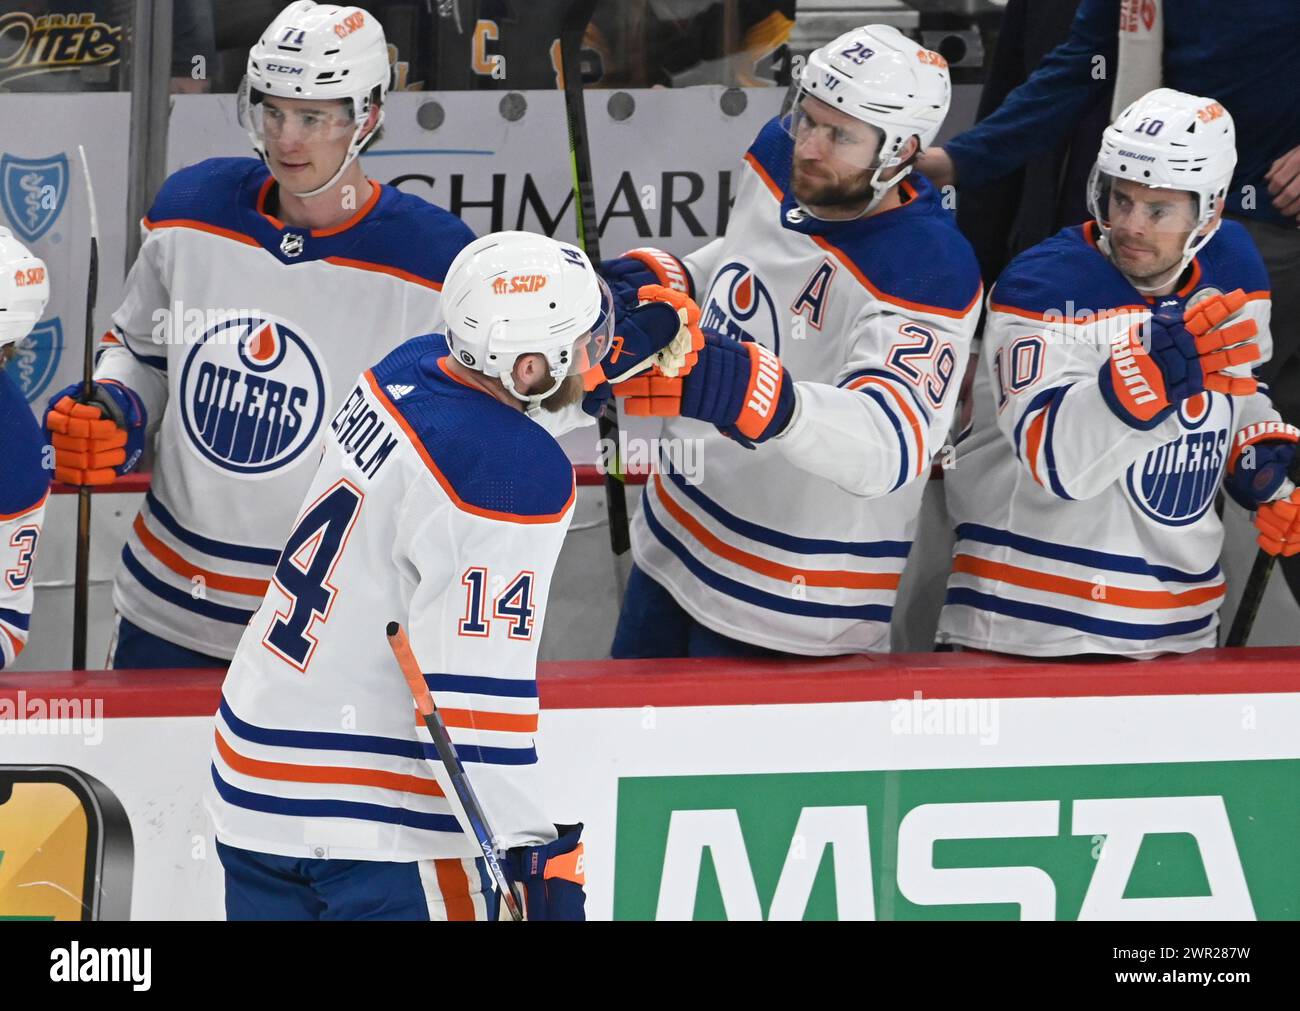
(834, 156)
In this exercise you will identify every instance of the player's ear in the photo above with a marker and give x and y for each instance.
(528, 372)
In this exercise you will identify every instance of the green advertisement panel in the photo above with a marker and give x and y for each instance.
(1184, 840)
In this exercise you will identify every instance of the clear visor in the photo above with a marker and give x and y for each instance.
(822, 132)
(591, 348)
(294, 120)
(586, 350)
(1133, 207)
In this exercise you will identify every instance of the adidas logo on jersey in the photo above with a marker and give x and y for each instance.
(397, 391)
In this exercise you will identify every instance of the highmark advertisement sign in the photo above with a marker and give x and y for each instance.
(1181, 840)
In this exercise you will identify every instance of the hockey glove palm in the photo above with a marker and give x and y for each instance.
(1279, 526)
(96, 441)
(662, 334)
(1187, 356)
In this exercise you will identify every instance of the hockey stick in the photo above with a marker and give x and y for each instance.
(1253, 593)
(584, 203)
(81, 582)
(478, 822)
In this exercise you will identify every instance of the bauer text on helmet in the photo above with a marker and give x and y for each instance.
(855, 110)
(513, 294)
(316, 77)
(1157, 191)
(24, 290)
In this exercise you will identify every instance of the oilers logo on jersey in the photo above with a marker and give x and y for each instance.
(252, 395)
(1176, 483)
(739, 305)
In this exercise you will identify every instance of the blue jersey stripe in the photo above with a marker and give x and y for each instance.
(896, 381)
(218, 549)
(760, 598)
(784, 541)
(1081, 556)
(15, 618)
(903, 468)
(1049, 435)
(206, 608)
(304, 808)
(1041, 399)
(153, 361)
(507, 688)
(370, 743)
(967, 597)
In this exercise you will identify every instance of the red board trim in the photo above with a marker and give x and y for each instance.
(622, 684)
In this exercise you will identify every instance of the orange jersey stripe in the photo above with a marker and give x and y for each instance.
(862, 279)
(477, 719)
(5, 517)
(375, 190)
(918, 432)
(1084, 589)
(454, 886)
(442, 480)
(764, 177)
(202, 226)
(837, 579)
(14, 640)
(379, 268)
(1039, 317)
(1034, 442)
(178, 565)
(338, 774)
(935, 310)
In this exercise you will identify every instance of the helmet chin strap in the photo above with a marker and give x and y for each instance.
(1190, 249)
(879, 187)
(532, 401)
(354, 148)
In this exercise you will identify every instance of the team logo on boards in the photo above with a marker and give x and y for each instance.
(740, 305)
(1176, 483)
(253, 395)
(38, 358)
(33, 191)
(55, 43)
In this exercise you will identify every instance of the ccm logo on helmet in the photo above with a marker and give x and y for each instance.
(350, 24)
(282, 68)
(519, 283)
(32, 275)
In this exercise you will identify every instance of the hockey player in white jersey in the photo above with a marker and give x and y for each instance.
(842, 301)
(440, 504)
(25, 484)
(262, 285)
(1114, 401)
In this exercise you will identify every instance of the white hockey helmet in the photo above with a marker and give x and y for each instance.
(24, 289)
(516, 293)
(878, 75)
(321, 52)
(1169, 140)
